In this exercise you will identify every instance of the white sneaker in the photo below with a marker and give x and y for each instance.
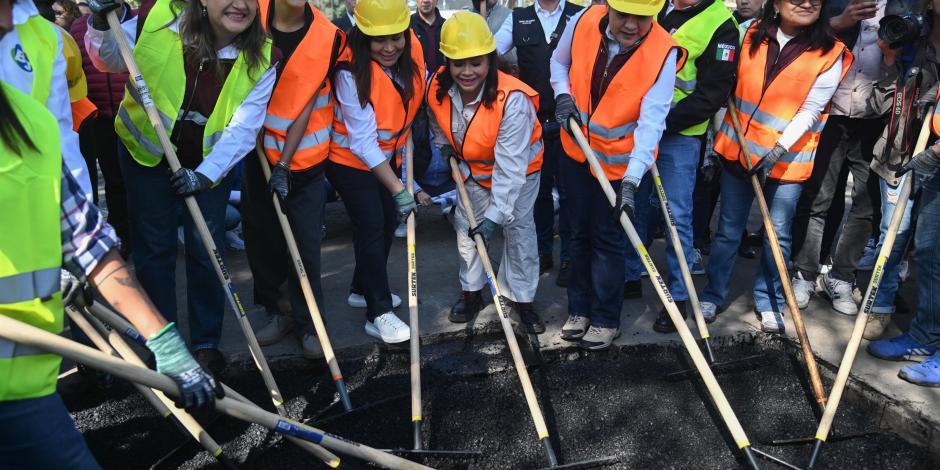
(401, 231)
(709, 311)
(358, 301)
(840, 293)
(771, 322)
(802, 290)
(388, 328)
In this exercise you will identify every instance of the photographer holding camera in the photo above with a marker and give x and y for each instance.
(909, 43)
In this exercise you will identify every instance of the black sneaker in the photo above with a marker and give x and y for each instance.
(467, 306)
(210, 359)
(632, 289)
(564, 274)
(663, 323)
(545, 263)
(528, 318)
(747, 252)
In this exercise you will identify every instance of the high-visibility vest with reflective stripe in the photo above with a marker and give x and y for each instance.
(694, 36)
(765, 110)
(82, 110)
(159, 52)
(477, 151)
(304, 74)
(39, 41)
(30, 247)
(609, 126)
(393, 117)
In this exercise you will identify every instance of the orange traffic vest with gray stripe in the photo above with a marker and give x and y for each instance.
(304, 75)
(765, 109)
(609, 126)
(477, 151)
(393, 116)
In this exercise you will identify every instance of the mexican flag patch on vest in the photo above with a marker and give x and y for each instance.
(725, 52)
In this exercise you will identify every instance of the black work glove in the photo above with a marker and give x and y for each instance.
(924, 164)
(564, 109)
(484, 229)
(711, 167)
(279, 183)
(188, 182)
(766, 164)
(100, 10)
(447, 151)
(198, 389)
(74, 292)
(626, 199)
(405, 204)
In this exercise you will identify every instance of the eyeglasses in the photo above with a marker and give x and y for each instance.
(59, 13)
(797, 3)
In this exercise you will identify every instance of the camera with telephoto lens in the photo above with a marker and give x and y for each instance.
(903, 23)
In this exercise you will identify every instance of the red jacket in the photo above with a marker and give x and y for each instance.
(105, 90)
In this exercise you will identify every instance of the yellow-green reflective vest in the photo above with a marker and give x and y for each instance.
(30, 247)
(39, 41)
(694, 36)
(159, 53)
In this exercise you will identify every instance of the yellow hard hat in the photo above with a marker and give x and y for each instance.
(382, 17)
(637, 7)
(466, 35)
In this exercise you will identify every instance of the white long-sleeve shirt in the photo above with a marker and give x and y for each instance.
(238, 137)
(16, 70)
(819, 95)
(512, 146)
(653, 108)
(548, 19)
(361, 125)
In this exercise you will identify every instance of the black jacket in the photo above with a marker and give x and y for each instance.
(342, 22)
(430, 37)
(716, 77)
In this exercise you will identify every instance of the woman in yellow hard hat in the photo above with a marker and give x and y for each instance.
(486, 119)
(379, 89)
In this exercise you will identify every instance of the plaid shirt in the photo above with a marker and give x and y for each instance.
(86, 235)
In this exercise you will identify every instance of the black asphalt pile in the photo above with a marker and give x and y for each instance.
(614, 403)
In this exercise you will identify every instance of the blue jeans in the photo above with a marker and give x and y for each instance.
(736, 198)
(39, 433)
(155, 214)
(595, 246)
(926, 325)
(545, 203)
(884, 299)
(677, 164)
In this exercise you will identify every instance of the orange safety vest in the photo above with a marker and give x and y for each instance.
(82, 110)
(935, 120)
(609, 127)
(477, 151)
(765, 110)
(393, 116)
(306, 73)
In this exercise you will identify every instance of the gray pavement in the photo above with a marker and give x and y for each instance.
(911, 410)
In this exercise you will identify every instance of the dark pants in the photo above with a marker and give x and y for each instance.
(847, 141)
(99, 142)
(155, 215)
(544, 203)
(305, 203)
(264, 242)
(39, 433)
(926, 325)
(595, 247)
(374, 219)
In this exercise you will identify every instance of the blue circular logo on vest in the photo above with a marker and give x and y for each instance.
(19, 56)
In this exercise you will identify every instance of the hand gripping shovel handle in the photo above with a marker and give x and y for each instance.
(851, 349)
(413, 318)
(816, 381)
(527, 389)
(305, 288)
(683, 264)
(138, 82)
(711, 384)
(26, 334)
(101, 313)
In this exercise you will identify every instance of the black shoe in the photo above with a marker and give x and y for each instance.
(663, 323)
(747, 252)
(564, 274)
(210, 359)
(755, 239)
(545, 263)
(528, 318)
(632, 289)
(467, 306)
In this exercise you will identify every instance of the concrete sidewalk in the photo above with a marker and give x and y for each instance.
(910, 410)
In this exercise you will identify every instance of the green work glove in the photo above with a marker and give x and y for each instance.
(405, 204)
(197, 387)
(484, 229)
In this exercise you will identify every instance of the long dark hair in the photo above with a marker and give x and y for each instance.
(360, 44)
(199, 39)
(490, 84)
(12, 132)
(820, 34)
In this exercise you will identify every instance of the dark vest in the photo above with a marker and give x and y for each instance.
(534, 53)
